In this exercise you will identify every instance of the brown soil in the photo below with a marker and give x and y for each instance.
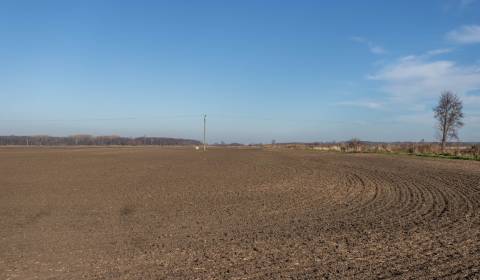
(152, 213)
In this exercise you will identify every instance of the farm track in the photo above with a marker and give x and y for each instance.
(149, 213)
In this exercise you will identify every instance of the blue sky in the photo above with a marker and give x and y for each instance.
(260, 70)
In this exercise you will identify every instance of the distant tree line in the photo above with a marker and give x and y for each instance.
(89, 140)
(222, 143)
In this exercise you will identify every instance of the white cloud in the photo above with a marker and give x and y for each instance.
(426, 55)
(467, 34)
(377, 49)
(416, 78)
(374, 48)
(437, 52)
(364, 104)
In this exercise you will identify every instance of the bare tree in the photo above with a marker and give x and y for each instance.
(354, 144)
(449, 115)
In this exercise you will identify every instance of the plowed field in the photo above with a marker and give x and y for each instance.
(152, 213)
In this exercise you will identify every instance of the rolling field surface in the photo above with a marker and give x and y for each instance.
(153, 213)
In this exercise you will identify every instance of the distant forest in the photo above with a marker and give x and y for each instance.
(89, 140)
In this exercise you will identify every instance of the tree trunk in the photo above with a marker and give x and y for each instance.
(444, 132)
(444, 139)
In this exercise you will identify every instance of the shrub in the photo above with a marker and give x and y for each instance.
(476, 151)
(354, 145)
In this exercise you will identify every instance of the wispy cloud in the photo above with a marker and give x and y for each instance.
(467, 34)
(472, 100)
(424, 118)
(473, 119)
(414, 78)
(437, 52)
(458, 5)
(363, 104)
(427, 55)
(374, 48)
(466, 3)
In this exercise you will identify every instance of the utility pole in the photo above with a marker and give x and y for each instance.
(204, 132)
